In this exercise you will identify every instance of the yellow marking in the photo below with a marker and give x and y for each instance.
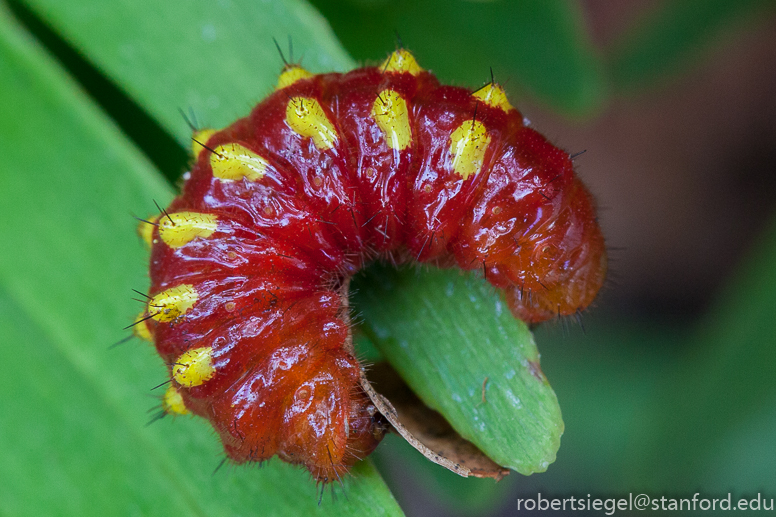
(146, 231)
(194, 367)
(493, 95)
(199, 140)
(468, 144)
(140, 329)
(234, 162)
(306, 117)
(180, 228)
(401, 61)
(172, 402)
(390, 113)
(173, 303)
(290, 75)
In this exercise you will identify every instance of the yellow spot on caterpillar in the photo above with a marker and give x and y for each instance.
(194, 367)
(173, 303)
(199, 140)
(180, 228)
(468, 144)
(146, 230)
(401, 61)
(140, 329)
(493, 95)
(290, 75)
(307, 118)
(390, 113)
(234, 162)
(172, 402)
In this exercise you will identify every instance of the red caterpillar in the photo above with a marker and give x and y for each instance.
(329, 173)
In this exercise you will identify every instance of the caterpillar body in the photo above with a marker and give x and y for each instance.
(327, 174)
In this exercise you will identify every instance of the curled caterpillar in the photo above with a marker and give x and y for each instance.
(327, 174)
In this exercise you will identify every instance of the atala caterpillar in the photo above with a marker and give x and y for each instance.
(327, 174)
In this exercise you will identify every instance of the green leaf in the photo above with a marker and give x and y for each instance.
(667, 38)
(446, 333)
(73, 440)
(536, 46)
(215, 58)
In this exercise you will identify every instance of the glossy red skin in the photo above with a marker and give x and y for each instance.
(284, 382)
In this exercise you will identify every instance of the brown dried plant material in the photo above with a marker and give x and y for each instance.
(425, 429)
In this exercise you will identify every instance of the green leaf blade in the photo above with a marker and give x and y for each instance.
(459, 334)
(214, 58)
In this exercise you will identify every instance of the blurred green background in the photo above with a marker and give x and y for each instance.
(669, 390)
